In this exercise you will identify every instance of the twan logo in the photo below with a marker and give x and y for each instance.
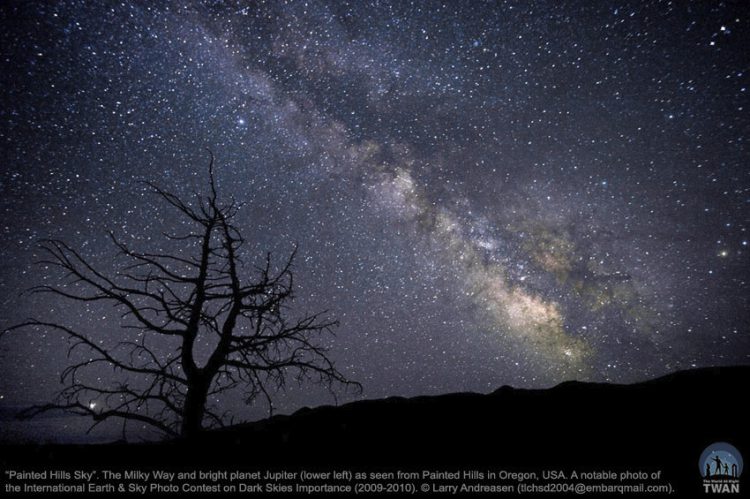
(721, 467)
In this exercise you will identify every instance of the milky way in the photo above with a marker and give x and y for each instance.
(483, 194)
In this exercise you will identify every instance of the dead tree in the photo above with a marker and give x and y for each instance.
(178, 300)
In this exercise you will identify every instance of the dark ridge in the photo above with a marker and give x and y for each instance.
(678, 414)
(681, 385)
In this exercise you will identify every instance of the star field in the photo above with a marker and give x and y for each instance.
(497, 193)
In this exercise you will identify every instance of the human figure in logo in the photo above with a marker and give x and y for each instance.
(708, 469)
(718, 462)
(726, 469)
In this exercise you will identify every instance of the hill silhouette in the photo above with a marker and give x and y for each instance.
(675, 414)
(662, 424)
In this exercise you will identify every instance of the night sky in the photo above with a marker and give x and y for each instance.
(483, 193)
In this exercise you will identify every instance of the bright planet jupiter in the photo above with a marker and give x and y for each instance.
(483, 193)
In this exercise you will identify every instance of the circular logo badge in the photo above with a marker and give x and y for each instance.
(720, 461)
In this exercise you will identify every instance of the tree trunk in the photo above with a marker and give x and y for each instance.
(195, 405)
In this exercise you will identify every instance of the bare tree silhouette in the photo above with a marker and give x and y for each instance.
(184, 299)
